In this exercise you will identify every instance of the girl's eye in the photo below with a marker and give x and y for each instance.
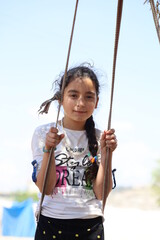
(89, 97)
(73, 95)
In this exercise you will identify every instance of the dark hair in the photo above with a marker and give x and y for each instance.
(79, 72)
(73, 73)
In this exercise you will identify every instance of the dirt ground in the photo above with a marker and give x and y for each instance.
(140, 198)
(132, 214)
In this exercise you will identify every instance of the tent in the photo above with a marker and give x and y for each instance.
(19, 220)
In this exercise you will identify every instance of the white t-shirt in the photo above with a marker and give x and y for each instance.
(70, 197)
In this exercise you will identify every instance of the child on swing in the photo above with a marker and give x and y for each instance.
(72, 206)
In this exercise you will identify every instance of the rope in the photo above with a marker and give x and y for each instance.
(62, 90)
(155, 17)
(109, 154)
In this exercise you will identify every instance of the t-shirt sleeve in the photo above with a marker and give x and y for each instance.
(37, 144)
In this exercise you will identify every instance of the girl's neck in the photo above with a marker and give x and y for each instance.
(73, 125)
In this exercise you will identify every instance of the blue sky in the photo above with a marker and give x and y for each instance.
(33, 49)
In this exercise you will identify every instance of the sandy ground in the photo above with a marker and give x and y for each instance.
(129, 215)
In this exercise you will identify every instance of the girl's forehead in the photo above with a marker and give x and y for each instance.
(84, 82)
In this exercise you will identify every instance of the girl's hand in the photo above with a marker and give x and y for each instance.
(108, 139)
(52, 138)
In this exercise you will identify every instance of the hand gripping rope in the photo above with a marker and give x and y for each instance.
(109, 155)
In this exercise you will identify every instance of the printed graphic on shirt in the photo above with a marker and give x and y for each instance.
(70, 175)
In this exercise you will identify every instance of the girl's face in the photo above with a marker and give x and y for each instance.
(79, 101)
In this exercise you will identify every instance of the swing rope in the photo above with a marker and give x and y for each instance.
(156, 15)
(155, 12)
(109, 153)
(63, 84)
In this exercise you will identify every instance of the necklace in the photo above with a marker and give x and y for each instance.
(75, 141)
(73, 149)
(72, 142)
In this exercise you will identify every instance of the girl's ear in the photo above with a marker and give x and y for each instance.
(97, 102)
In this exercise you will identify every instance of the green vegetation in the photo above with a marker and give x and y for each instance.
(21, 196)
(156, 181)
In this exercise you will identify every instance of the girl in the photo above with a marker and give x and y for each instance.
(72, 207)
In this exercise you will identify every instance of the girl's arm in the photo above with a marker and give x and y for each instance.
(52, 140)
(51, 180)
(108, 139)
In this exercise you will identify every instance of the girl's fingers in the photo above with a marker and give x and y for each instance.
(61, 136)
(109, 139)
(112, 144)
(54, 130)
(109, 132)
(52, 138)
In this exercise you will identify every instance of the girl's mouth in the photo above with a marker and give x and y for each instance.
(79, 112)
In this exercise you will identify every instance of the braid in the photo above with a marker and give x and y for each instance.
(91, 171)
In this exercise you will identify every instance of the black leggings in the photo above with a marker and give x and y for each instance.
(69, 229)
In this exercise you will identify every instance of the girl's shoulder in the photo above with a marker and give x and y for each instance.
(39, 135)
(43, 129)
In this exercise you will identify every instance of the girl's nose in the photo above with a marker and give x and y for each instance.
(81, 101)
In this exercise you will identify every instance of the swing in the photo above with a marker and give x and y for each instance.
(156, 16)
(109, 154)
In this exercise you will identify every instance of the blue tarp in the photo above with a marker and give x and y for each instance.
(19, 220)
